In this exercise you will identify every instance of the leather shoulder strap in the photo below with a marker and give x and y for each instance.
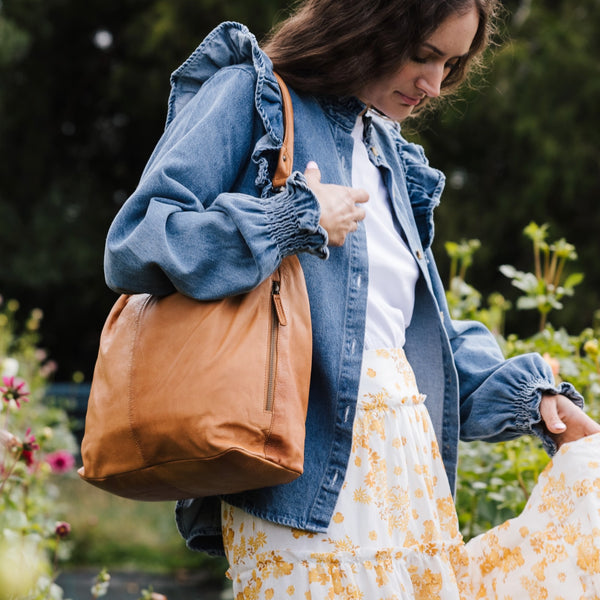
(286, 154)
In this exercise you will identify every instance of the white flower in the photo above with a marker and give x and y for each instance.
(9, 367)
(8, 440)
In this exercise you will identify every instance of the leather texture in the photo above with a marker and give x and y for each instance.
(193, 399)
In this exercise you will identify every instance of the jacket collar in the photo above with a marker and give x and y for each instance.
(342, 110)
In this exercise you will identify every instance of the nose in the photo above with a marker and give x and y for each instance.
(430, 83)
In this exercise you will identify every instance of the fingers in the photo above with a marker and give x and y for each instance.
(558, 409)
(340, 205)
(549, 414)
(312, 173)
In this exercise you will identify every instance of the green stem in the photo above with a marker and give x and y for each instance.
(559, 271)
(10, 471)
(546, 263)
(550, 275)
(536, 260)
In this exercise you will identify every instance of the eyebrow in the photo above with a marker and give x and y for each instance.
(438, 51)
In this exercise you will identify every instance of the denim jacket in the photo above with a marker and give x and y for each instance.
(206, 221)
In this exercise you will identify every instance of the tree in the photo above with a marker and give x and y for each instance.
(83, 91)
(524, 145)
(83, 102)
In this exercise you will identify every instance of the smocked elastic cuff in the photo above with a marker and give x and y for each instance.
(294, 219)
(539, 428)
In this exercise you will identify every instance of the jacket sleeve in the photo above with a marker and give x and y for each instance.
(499, 398)
(183, 228)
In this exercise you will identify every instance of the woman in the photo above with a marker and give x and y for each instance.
(372, 515)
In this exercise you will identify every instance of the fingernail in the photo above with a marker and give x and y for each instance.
(560, 425)
(312, 165)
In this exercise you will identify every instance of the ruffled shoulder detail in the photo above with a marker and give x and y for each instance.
(425, 186)
(232, 44)
(227, 45)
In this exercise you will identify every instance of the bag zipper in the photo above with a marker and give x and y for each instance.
(278, 319)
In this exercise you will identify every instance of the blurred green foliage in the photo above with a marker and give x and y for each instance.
(83, 91)
(523, 144)
(495, 480)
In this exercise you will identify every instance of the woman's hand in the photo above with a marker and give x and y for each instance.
(339, 211)
(565, 421)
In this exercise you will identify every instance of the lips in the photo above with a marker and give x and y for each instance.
(409, 99)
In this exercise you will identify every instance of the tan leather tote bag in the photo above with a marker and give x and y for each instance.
(192, 399)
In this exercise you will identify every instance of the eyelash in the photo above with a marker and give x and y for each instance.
(423, 61)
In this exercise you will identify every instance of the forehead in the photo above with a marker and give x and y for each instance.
(455, 35)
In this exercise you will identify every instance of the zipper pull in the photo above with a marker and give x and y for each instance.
(278, 304)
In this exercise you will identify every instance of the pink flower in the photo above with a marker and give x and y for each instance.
(60, 461)
(62, 529)
(29, 447)
(14, 389)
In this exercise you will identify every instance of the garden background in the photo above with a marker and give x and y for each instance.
(83, 91)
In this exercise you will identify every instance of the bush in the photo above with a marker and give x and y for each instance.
(37, 460)
(36, 448)
(495, 480)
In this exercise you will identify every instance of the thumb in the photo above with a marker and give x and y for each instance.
(549, 413)
(312, 172)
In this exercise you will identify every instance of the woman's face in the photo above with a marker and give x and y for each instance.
(396, 95)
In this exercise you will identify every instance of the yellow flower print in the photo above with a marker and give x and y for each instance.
(371, 373)
(534, 589)
(372, 535)
(318, 575)
(410, 541)
(281, 567)
(298, 533)
(582, 488)
(539, 570)
(344, 545)
(588, 555)
(427, 585)
(556, 497)
(251, 590)
(383, 567)
(447, 513)
(571, 532)
(291, 590)
(269, 594)
(361, 496)
(258, 541)
(338, 517)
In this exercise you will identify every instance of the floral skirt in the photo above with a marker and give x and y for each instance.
(394, 533)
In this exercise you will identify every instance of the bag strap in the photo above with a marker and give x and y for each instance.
(286, 154)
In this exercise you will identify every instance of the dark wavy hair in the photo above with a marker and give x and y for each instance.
(336, 47)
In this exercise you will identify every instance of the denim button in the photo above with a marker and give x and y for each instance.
(419, 255)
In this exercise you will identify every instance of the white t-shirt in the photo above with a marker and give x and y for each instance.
(393, 272)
